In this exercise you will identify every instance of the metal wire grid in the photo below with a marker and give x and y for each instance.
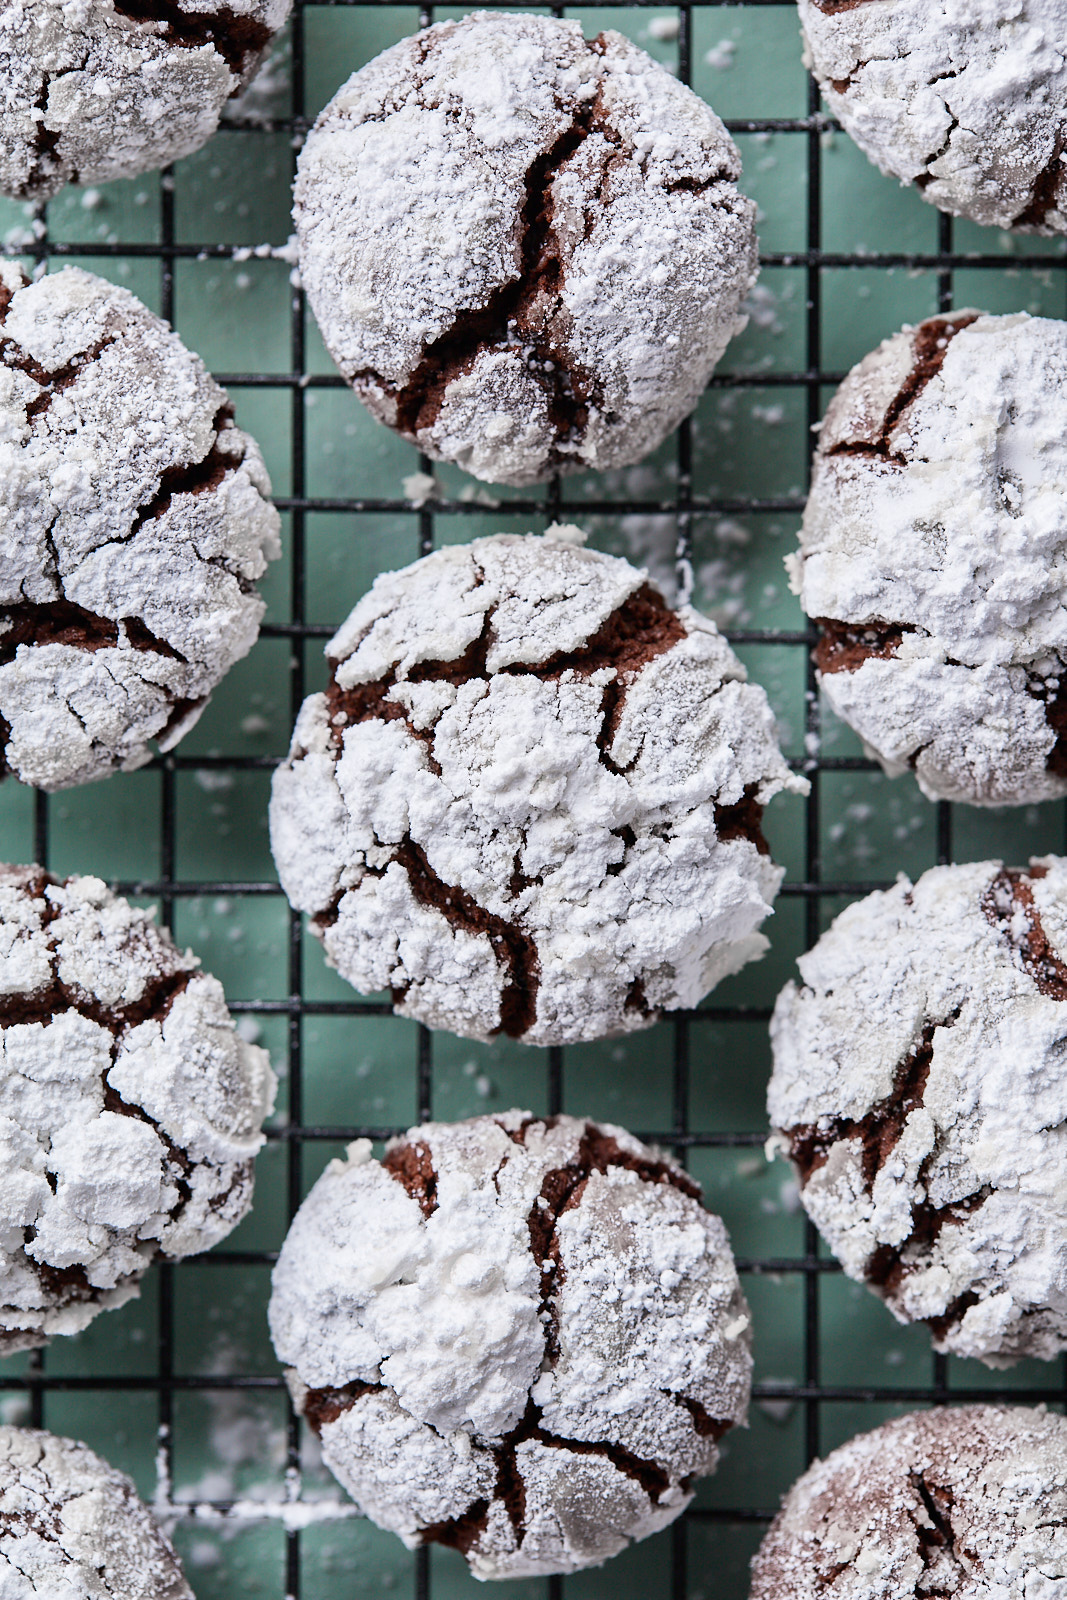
(683, 505)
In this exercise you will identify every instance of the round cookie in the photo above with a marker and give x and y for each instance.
(525, 250)
(135, 519)
(130, 1108)
(529, 800)
(965, 100)
(518, 1337)
(72, 1528)
(933, 556)
(918, 1086)
(968, 1502)
(104, 89)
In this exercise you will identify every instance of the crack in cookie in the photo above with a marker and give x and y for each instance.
(518, 315)
(238, 38)
(930, 342)
(1049, 188)
(1008, 904)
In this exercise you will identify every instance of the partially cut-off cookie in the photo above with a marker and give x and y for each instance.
(72, 1528)
(518, 1337)
(136, 521)
(105, 89)
(919, 1089)
(967, 100)
(933, 556)
(130, 1106)
(968, 1502)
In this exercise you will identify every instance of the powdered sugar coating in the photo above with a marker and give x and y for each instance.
(918, 1085)
(965, 100)
(130, 1108)
(525, 251)
(72, 1528)
(934, 553)
(517, 1337)
(968, 1501)
(135, 523)
(97, 89)
(530, 799)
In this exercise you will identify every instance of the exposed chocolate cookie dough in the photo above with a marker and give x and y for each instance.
(73, 1528)
(966, 100)
(933, 554)
(455, 1336)
(967, 1502)
(917, 1088)
(109, 88)
(136, 520)
(530, 799)
(525, 250)
(130, 1108)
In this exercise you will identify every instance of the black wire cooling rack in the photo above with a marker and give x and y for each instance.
(813, 381)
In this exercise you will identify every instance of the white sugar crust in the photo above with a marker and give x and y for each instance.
(501, 774)
(72, 1528)
(120, 1140)
(85, 466)
(442, 1314)
(958, 531)
(967, 97)
(88, 93)
(989, 1133)
(969, 1501)
(409, 206)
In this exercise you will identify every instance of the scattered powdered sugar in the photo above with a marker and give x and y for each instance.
(72, 1528)
(918, 1086)
(130, 1108)
(969, 1501)
(517, 1337)
(964, 100)
(98, 89)
(934, 556)
(530, 799)
(525, 251)
(136, 521)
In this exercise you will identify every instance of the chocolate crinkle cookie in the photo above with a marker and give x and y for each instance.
(72, 1528)
(918, 1087)
(529, 800)
(100, 89)
(968, 1502)
(526, 251)
(518, 1337)
(135, 520)
(934, 551)
(966, 100)
(130, 1108)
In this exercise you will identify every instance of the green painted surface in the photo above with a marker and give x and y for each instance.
(749, 441)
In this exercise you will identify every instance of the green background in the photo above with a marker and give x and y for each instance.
(192, 1354)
